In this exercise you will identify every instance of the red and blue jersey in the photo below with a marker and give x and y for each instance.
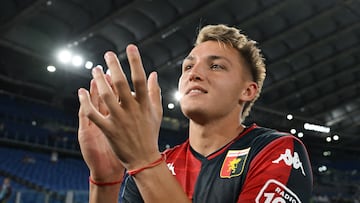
(260, 165)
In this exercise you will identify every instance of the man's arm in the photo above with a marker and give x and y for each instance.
(131, 128)
(104, 165)
(155, 184)
(107, 193)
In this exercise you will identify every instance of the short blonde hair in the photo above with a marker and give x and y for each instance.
(247, 49)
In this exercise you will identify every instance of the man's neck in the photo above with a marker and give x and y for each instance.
(208, 138)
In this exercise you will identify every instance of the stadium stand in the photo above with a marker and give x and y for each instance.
(30, 132)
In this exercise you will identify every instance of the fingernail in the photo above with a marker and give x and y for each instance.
(155, 76)
(108, 72)
(107, 56)
(132, 48)
(97, 69)
(100, 67)
(80, 92)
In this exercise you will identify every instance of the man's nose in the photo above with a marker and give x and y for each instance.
(197, 72)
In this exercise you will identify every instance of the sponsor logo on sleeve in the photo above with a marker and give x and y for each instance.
(275, 192)
(291, 160)
(234, 162)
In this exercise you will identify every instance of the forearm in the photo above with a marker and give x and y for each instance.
(157, 184)
(99, 194)
(104, 189)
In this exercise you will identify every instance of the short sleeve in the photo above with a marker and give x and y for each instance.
(280, 172)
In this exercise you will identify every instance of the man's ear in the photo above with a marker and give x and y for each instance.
(249, 93)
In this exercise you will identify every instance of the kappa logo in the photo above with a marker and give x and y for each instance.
(234, 162)
(275, 192)
(290, 160)
(171, 168)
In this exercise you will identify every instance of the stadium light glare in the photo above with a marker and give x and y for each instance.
(177, 96)
(171, 106)
(64, 56)
(336, 137)
(293, 131)
(328, 139)
(322, 168)
(300, 134)
(88, 65)
(51, 68)
(326, 153)
(77, 60)
(289, 117)
(317, 128)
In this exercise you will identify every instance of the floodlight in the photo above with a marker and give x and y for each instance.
(77, 60)
(64, 56)
(51, 68)
(88, 64)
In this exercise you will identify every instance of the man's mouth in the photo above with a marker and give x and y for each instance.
(196, 90)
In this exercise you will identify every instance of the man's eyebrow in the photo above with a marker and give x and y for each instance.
(191, 58)
(215, 57)
(211, 57)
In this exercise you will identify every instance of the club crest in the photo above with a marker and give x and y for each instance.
(234, 163)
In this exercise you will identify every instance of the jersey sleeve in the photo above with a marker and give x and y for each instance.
(279, 173)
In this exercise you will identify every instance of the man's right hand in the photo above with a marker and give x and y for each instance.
(104, 165)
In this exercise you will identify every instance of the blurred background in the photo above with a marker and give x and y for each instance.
(48, 47)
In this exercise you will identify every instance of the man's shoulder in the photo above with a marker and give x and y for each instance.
(258, 137)
(182, 147)
(266, 134)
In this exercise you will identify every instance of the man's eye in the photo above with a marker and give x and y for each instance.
(216, 66)
(187, 67)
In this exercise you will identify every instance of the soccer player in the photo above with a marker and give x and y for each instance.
(222, 160)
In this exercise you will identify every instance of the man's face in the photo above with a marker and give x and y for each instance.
(212, 81)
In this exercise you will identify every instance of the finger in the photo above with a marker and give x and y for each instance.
(96, 100)
(87, 111)
(118, 78)
(94, 94)
(109, 80)
(102, 107)
(83, 120)
(105, 92)
(154, 92)
(138, 76)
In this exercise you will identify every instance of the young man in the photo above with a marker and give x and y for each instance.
(222, 161)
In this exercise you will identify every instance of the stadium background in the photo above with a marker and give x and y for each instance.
(312, 55)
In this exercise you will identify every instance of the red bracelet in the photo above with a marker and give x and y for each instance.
(103, 183)
(153, 164)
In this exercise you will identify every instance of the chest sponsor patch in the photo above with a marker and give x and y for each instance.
(274, 191)
(234, 162)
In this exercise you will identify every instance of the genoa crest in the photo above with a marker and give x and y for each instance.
(234, 162)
